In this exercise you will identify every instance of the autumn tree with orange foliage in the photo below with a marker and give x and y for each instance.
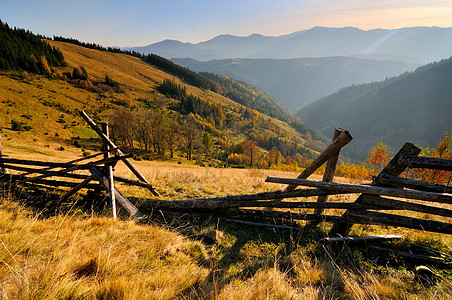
(442, 150)
(249, 149)
(379, 157)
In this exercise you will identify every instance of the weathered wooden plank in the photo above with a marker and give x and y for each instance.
(255, 224)
(37, 163)
(378, 202)
(373, 190)
(426, 162)
(118, 151)
(71, 169)
(148, 203)
(330, 168)
(132, 182)
(343, 139)
(360, 239)
(131, 209)
(60, 183)
(43, 171)
(293, 216)
(218, 205)
(396, 167)
(70, 162)
(14, 177)
(385, 179)
(399, 221)
(78, 187)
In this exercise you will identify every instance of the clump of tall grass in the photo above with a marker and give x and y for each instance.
(68, 257)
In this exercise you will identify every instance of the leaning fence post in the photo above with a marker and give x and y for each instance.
(109, 169)
(329, 172)
(118, 152)
(338, 143)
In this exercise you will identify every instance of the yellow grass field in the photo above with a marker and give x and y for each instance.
(81, 256)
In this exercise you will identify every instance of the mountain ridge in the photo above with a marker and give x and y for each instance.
(299, 81)
(319, 42)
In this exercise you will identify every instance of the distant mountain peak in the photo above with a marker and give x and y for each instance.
(256, 35)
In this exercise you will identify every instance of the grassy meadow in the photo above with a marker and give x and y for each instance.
(84, 254)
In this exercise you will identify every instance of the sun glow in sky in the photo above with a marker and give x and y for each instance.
(141, 22)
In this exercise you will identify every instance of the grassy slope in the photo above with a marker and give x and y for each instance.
(25, 95)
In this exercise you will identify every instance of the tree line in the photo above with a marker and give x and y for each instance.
(22, 50)
(157, 130)
(161, 132)
(189, 103)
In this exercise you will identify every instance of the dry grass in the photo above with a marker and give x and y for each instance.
(79, 257)
(69, 257)
(181, 181)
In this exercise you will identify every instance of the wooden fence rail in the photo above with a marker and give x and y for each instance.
(285, 204)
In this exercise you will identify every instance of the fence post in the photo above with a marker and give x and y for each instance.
(2, 166)
(118, 152)
(329, 172)
(338, 143)
(109, 169)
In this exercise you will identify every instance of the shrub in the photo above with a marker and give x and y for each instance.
(19, 126)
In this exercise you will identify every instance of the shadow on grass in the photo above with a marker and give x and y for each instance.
(46, 202)
(239, 251)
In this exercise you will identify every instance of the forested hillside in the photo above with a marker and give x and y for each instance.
(298, 82)
(249, 96)
(153, 105)
(22, 50)
(415, 107)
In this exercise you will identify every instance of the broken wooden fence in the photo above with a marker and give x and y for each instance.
(374, 198)
(366, 209)
(78, 174)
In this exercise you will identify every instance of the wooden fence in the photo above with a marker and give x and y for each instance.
(432, 200)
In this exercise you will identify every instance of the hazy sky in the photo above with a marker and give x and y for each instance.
(141, 22)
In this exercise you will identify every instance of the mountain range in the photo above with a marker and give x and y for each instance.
(299, 81)
(417, 45)
(416, 107)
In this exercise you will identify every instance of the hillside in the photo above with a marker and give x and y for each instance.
(41, 112)
(417, 45)
(297, 82)
(415, 107)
